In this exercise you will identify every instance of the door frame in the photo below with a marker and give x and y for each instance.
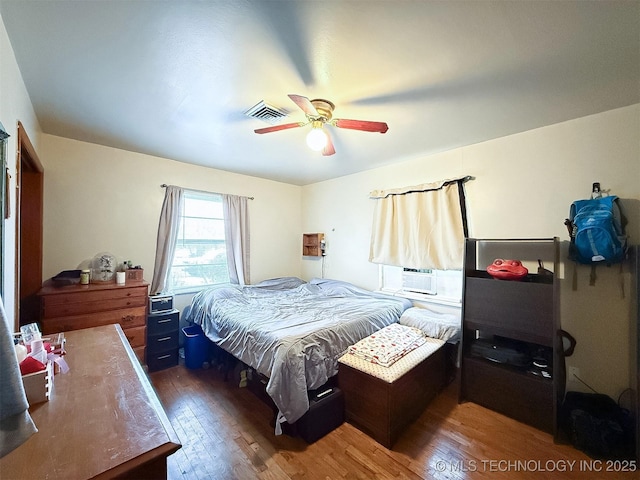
(29, 226)
(4, 203)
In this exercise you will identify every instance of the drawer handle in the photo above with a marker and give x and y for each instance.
(164, 321)
(162, 357)
(163, 339)
(128, 318)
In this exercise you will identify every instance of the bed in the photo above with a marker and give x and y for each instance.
(292, 332)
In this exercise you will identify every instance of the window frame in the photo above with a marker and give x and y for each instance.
(448, 290)
(182, 241)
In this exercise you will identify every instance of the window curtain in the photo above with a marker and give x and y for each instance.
(236, 232)
(423, 226)
(167, 237)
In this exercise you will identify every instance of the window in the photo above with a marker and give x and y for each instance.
(200, 258)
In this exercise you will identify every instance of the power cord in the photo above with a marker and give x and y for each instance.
(323, 266)
(585, 383)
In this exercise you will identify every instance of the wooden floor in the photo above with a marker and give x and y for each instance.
(226, 434)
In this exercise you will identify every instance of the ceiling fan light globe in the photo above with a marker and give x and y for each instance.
(316, 139)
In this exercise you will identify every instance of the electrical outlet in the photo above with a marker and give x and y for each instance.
(573, 372)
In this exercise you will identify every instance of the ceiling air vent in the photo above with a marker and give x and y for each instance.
(266, 113)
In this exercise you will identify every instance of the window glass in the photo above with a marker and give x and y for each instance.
(200, 259)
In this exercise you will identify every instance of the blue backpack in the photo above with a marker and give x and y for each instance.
(596, 228)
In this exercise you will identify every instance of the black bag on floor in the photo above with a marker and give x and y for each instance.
(598, 426)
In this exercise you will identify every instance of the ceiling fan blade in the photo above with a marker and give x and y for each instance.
(280, 127)
(363, 125)
(305, 105)
(328, 149)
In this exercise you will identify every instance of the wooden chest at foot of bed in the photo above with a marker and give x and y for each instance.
(383, 401)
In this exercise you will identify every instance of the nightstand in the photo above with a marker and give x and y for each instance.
(162, 339)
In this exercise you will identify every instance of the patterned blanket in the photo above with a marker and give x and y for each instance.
(388, 345)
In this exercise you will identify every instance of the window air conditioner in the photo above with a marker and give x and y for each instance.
(420, 281)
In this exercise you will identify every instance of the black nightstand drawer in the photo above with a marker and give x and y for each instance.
(162, 342)
(158, 323)
(160, 361)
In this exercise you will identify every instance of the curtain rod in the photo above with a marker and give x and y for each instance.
(164, 185)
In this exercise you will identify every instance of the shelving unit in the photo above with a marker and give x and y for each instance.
(520, 314)
(312, 244)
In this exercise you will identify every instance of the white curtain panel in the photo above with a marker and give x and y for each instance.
(236, 231)
(420, 226)
(167, 237)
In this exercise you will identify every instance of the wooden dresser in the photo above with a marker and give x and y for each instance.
(76, 307)
(103, 418)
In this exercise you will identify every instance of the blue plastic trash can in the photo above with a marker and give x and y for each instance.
(195, 346)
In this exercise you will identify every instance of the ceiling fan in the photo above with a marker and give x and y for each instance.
(319, 113)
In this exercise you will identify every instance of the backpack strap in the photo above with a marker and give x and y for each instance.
(592, 276)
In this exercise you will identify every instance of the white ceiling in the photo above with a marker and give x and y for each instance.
(174, 78)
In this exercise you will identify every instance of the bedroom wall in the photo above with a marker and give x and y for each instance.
(97, 198)
(523, 187)
(14, 105)
(104, 199)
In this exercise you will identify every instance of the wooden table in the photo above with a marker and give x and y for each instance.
(103, 418)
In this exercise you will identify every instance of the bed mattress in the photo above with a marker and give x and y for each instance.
(294, 336)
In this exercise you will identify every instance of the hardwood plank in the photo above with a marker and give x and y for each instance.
(227, 433)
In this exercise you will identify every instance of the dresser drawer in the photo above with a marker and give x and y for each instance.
(67, 309)
(78, 302)
(160, 361)
(137, 336)
(126, 317)
(140, 354)
(158, 323)
(80, 294)
(163, 342)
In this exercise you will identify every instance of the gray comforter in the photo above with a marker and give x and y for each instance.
(292, 332)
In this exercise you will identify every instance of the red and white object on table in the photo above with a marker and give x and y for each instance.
(507, 269)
